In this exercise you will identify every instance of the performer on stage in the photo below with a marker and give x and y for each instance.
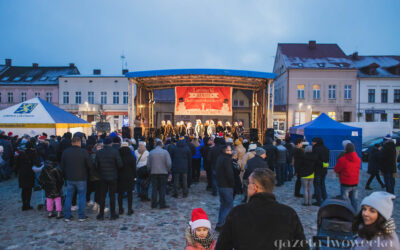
(162, 130)
(211, 129)
(240, 129)
(234, 131)
(182, 129)
(199, 129)
(206, 125)
(176, 130)
(228, 129)
(189, 129)
(169, 130)
(220, 127)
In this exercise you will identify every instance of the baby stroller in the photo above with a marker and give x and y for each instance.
(335, 219)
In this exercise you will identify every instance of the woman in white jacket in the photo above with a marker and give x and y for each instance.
(142, 182)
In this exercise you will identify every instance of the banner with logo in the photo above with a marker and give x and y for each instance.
(203, 100)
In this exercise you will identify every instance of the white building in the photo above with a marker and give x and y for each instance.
(378, 98)
(90, 96)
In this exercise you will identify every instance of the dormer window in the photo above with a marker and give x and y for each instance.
(43, 78)
(300, 65)
(16, 79)
(341, 65)
(371, 69)
(321, 65)
(29, 78)
(5, 78)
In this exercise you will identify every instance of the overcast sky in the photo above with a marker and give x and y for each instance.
(171, 34)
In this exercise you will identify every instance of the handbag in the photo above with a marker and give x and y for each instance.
(142, 172)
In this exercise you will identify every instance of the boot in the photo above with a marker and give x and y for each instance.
(130, 211)
(121, 210)
(368, 188)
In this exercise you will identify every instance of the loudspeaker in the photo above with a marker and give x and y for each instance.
(152, 132)
(126, 132)
(254, 134)
(137, 132)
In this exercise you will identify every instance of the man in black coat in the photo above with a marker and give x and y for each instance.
(212, 160)
(321, 169)
(262, 223)
(388, 163)
(272, 153)
(208, 145)
(75, 165)
(107, 162)
(298, 157)
(258, 161)
(226, 183)
(374, 162)
(181, 161)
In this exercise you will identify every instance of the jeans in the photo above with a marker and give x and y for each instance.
(389, 182)
(111, 187)
(226, 204)
(371, 178)
(319, 187)
(158, 185)
(279, 170)
(288, 172)
(307, 189)
(350, 194)
(177, 177)
(80, 186)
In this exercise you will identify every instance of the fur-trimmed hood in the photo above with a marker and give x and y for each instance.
(191, 244)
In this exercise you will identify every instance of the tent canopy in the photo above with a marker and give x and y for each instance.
(37, 113)
(333, 133)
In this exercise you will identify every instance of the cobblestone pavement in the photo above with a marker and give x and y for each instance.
(145, 229)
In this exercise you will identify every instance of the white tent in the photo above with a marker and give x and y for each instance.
(36, 116)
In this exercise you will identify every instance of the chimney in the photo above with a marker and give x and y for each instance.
(124, 71)
(97, 72)
(312, 44)
(8, 62)
(35, 65)
(72, 65)
(354, 55)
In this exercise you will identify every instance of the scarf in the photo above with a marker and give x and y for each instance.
(206, 242)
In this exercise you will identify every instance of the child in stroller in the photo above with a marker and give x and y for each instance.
(335, 219)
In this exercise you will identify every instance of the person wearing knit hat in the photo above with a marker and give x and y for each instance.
(198, 233)
(374, 225)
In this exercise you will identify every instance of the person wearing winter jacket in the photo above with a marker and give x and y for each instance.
(181, 162)
(374, 225)
(281, 161)
(198, 234)
(126, 177)
(196, 159)
(348, 168)
(51, 180)
(298, 156)
(306, 172)
(321, 170)
(374, 161)
(388, 163)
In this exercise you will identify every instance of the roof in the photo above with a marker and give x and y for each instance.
(323, 56)
(165, 79)
(38, 111)
(94, 76)
(21, 75)
(384, 64)
(215, 72)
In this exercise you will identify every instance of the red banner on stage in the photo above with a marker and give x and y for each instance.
(204, 100)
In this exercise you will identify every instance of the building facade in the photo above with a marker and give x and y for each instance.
(311, 79)
(379, 89)
(20, 83)
(96, 97)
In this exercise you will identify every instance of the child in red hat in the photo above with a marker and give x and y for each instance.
(198, 234)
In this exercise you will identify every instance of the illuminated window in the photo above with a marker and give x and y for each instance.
(316, 92)
(332, 115)
(299, 118)
(300, 91)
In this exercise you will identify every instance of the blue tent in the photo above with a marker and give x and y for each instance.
(332, 132)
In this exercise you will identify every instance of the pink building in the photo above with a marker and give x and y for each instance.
(20, 83)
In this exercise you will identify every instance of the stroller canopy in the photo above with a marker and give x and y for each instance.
(336, 209)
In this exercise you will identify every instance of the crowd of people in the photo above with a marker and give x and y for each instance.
(72, 168)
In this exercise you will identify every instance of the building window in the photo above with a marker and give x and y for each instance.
(332, 115)
(384, 96)
(66, 97)
(78, 97)
(91, 97)
(37, 94)
(23, 96)
(347, 92)
(126, 97)
(10, 97)
(314, 115)
(238, 103)
(103, 97)
(396, 121)
(346, 116)
(115, 97)
(332, 92)
(300, 91)
(371, 95)
(299, 118)
(396, 98)
(316, 92)
(49, 97)
(369, 117)
(383, 117)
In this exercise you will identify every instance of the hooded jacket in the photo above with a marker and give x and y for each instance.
(388, 163)
(181, 157)
(348, 168)
(51, 180)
